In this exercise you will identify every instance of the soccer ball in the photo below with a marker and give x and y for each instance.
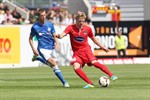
(104, 81)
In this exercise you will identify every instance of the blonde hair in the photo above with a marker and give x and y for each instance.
(80, 14)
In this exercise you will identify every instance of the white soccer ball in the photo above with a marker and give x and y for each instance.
(104, 81)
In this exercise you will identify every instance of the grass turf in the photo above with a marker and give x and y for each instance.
(41, 84)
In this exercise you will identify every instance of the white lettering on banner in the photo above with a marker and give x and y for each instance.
(104, 40)
(108, 61)
(98, 38)
(125, 61)
(113, 30)
(118, 61)
(109, 41)
(128, 61)
(122, 29)
(141, 60)
(125, 30)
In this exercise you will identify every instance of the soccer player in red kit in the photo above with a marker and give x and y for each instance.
(82, 53)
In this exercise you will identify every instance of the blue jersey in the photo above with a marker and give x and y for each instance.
(44, 34)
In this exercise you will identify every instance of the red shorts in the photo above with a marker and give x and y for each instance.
(84, 56)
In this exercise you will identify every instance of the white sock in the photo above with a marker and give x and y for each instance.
(55, 68)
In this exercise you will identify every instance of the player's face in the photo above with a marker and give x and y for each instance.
(119, 33)
(42, 16)
(80, 21)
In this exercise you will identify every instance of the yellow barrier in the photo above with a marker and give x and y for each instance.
(9, 45)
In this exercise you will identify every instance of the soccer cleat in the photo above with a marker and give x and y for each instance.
(114, 78)
(66, 85)
(88, 86)
(34, 57)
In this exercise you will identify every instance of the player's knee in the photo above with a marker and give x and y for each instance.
(76, 66)
(94, 61)
(49, 64)
(52, 62)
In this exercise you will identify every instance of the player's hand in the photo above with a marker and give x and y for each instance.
(35, 52)
(106, 49)
(58, 36)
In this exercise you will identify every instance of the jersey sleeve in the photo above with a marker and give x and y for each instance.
(90, 34)
(32, 33)
(67, 30)
(52, 29)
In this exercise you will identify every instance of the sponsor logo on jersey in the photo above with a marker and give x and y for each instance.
(49, 29)
(79, 39)
(40, 34)
(85, 32)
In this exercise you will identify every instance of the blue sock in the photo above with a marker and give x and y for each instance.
(58, 73)
(41, 59)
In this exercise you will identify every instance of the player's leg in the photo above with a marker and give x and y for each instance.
(53, 64)
(104, 69)
(124, 53)
(57, 71)
(81, 73)
(94, 62)
(91, 58)
(39, 58)
(119, 53)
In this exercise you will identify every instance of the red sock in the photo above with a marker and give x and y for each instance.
(83, 75)
(103, 68)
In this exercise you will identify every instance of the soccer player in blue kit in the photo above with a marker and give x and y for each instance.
(47, 43)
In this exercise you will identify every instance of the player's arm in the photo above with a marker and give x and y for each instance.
(57, 47)
(99, 44)
(60, 36)
(64, 33)
(31, 42)
(32, 45)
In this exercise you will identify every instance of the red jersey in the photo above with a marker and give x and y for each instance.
(79, 37)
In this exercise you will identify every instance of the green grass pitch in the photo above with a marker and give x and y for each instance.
(40, 83)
